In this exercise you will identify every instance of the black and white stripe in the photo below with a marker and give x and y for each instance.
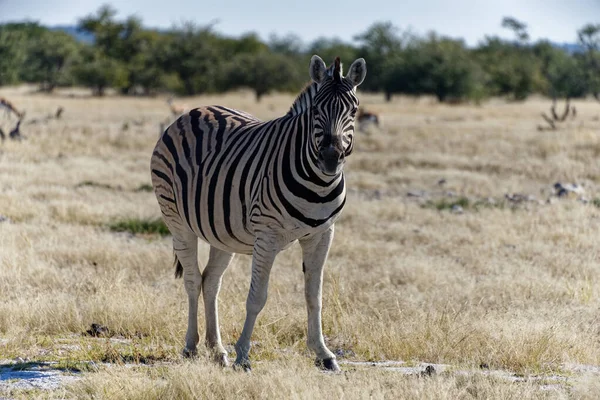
(253, 187)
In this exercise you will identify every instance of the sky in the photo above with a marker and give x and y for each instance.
(471, 20)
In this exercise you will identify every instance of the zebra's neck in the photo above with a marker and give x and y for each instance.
(304, 100)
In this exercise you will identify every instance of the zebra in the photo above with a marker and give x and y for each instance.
(252, 187)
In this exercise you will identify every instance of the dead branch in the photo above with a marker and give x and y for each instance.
(10, 108)
(15, 134)
(555, 118)
(549, 121)
(565, 113)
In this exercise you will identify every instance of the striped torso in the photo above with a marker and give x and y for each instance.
(227, 176)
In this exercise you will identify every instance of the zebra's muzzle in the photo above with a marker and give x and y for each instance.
(331, 160)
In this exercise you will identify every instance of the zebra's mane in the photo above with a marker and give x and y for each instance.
(304, 99)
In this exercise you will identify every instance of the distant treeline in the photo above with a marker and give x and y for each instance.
(189, 60)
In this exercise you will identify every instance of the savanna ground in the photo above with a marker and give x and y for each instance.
(431, 263)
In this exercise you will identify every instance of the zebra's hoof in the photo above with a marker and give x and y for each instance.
(221, 359)
(187, 353)
(328, 364)
(242, 366)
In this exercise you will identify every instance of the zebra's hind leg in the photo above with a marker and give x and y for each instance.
(218, 261)
(186, 253)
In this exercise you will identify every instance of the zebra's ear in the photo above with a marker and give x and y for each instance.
(357, 72)
(317, 69)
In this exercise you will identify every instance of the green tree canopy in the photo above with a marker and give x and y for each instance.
(50, 57)
(435, 65)
(589, 39)
(263, 72)
(379, 43)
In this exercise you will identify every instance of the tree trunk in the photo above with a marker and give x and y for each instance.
(388, 96)
(99, 91)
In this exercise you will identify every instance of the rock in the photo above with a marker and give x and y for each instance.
(343, 353)
(568, 189)
(429, 371)
(98, 330)
(519, 197)
(456, 209)
(413, 193)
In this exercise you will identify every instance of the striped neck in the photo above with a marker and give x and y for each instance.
(304, 100)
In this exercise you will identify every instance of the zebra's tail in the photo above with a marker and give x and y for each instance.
(178, 267)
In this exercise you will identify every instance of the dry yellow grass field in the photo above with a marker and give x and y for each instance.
(431, 263)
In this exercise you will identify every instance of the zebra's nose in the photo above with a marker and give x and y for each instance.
(330, 159)
(330, 153)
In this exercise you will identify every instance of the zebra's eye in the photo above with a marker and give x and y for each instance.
(353, 112)
(315, 111)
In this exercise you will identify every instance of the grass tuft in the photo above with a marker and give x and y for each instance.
(141, 226)
(145, 187)
(97, 185)
(445, 204)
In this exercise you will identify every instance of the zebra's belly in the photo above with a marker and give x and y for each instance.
(283, 237)
(237, 239)
(284, 233)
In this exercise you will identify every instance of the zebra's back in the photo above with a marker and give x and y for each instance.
(194, 175)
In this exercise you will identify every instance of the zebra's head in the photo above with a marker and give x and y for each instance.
(333, 111)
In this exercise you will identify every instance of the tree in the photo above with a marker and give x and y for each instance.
(377, 44)
(105, 29)
(14, 41)
(564, 74)
(99, 72)
(519, 28)
(435, 65)
(589, 40)
(512, 70)
(50, 57)
(195, 54)
(263, 72)
(289, 45)
(125, 42)
(329, 49)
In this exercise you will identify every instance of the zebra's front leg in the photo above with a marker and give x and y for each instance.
(186, 251)
(218, 261)
(314, 254)
(263, 256)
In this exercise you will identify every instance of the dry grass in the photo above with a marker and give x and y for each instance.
(513, 286)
